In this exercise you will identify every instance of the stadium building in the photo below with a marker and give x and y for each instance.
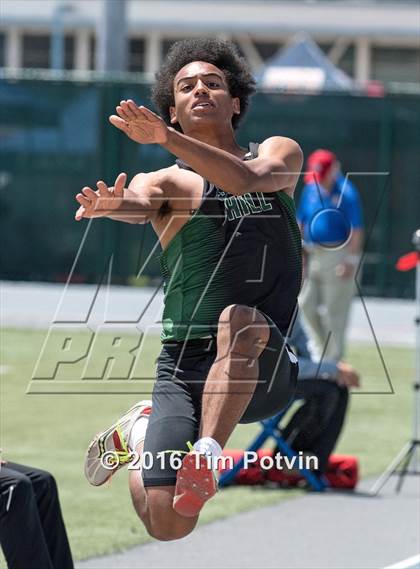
(367, 39)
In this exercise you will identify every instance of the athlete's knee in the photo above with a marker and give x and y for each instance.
(164, 524)
(167, 525)
(165, 531)
(245, 327)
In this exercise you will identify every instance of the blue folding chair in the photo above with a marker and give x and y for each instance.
(270, 429)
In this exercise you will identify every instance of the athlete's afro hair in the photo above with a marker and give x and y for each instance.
(222, 54)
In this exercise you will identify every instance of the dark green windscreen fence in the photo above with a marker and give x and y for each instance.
(55, 138)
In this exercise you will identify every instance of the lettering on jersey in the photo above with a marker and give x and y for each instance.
(240, 206)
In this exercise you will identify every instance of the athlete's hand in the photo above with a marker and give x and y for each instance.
(102, 202)
(347, 375)
(140, 124)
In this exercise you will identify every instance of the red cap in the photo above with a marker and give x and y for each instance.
(318, 165)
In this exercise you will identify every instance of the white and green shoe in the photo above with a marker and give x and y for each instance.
(109, 451)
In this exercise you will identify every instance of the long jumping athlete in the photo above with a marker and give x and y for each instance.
(231, 260)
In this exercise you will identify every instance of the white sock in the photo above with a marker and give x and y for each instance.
(138, 432)
(208, 446)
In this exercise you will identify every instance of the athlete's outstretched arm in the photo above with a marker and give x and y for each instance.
(277, 167)
(136, 204)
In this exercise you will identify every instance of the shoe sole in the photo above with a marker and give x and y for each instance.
(98, 445)
(194, 486)
(94, 453)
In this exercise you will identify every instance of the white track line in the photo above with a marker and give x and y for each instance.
(406, 563)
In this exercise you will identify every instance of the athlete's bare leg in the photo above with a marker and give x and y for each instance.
(154, 507)
(243, 333)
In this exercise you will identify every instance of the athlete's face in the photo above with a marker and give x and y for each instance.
(202, 97)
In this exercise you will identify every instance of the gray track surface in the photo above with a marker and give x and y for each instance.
(329, 531)
(36, 305)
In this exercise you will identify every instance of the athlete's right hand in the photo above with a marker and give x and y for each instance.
(102, 202)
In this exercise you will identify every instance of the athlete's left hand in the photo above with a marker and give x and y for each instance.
(139, 123)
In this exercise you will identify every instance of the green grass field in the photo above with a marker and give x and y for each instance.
(52, 431)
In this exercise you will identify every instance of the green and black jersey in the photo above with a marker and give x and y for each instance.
(233, 250)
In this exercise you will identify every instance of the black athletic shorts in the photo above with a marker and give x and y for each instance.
(182, 369)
